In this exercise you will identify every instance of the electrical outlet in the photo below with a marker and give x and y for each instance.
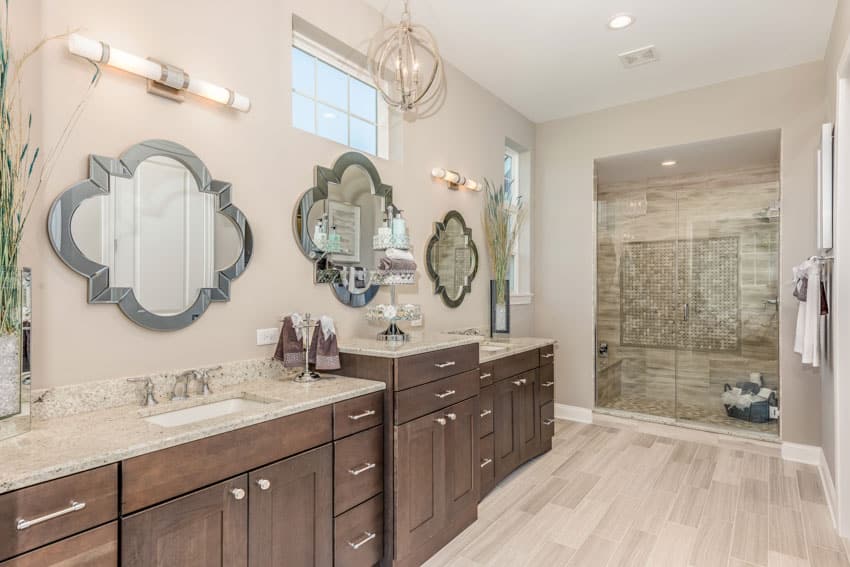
(267, 336)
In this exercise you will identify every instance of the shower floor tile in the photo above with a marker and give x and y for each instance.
(700, 414)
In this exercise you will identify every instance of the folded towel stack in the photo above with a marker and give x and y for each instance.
(290, 348)
(324, 351)
(397, 261)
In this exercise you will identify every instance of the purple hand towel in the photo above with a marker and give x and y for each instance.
(324, 351)
(289, 349)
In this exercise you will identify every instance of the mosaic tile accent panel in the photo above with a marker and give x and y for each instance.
(708, 281)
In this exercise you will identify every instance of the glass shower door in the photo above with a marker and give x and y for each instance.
(727, 323)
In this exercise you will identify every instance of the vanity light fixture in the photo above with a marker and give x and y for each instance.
(163, 79)
(455, 180)
(620, 21)
(669, 163)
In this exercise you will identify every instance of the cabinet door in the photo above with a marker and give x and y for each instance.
(463, 468)
(506, 413)
(529, 420)
(420, 481)
(207, 528)
(291, 517)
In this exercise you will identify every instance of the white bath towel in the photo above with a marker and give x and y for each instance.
(807, 336)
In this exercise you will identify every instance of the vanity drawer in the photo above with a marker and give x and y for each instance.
(423, 368)
(359, 535)
(487, 452)
(486, 377)
(486, 405)
(546, 384)
(358, 414)
(57, 509)
(547, 355)
(153, 478)
(547, 426)
(94, 548)
(516, 364)
(422, 400)
(358, 468)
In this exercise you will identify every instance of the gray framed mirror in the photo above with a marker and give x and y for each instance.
(452, 259)
(154, 233)
(335, 221)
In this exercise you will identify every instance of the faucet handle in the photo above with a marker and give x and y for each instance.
(184, 378)
(203, 376)
(150, 399)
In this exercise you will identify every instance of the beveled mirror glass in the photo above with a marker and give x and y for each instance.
(334, 223)
(452, 259)
(154, 233)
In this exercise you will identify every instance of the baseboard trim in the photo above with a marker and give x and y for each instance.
(574, 413)
(813, 455)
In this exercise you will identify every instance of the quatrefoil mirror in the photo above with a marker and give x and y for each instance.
(452, 259)
(154, 233)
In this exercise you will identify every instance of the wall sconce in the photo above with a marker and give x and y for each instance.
(163, 79)
(455, 180)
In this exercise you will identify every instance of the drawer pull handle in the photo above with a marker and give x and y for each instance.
(547, 384)
(485, 376)
(548, 355)
(238, 493)
(264, 484)
(548, 421)
(446, 394)
(520, 382)
(486, 462)
(486, 412)
(367, 413)
(367, 537)
(363, 468)
(441, 420)
(74, 507)
(445, 364)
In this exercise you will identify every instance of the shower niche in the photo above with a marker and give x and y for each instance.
(687, 281)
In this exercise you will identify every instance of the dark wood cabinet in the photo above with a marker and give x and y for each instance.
(291, 513)
(207, 528)
(507, 404)
(529, 417)
(462, 457)
(421, 503)
(94, 548)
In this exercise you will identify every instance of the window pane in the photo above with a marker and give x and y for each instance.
(303, 113)
(363, 100)
(509, 167)
(303, 72)
(363, 136)
(332, 124)
(332, 86)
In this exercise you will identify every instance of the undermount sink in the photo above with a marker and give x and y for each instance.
(491, 347)
(203, 412)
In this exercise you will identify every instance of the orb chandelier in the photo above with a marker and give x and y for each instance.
(405, 65)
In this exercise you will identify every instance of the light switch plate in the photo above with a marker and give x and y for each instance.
(267, 336)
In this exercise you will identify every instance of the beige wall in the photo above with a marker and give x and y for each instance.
(270, 164)
(790, 99)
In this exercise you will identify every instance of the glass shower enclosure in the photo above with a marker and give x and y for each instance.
(687, 321)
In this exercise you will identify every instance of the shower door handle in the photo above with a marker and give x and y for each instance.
(686, 312)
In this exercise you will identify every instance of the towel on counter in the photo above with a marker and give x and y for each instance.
(396, 265)
(290, 349)
(324, 351)
(807, 333)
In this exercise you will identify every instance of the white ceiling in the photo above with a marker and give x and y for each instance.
(555, 58)
(725, 154)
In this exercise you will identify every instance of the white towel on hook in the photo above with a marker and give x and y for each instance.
(807, 335)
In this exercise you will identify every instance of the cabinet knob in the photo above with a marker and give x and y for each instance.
(238, 493)
(441, 420)
(264, 484)
(451, 416)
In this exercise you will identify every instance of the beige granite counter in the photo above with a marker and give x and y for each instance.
(513, 345)
(417, 345)
(74, 443)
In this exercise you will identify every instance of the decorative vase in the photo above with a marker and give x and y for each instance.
(500, 307)
(15, 333)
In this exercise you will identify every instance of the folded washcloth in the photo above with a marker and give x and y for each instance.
(290, 349)
(396, 265)
(324, 351)
(397, 254)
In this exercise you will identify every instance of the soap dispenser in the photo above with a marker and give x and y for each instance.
(320, 237)
(399, 226)
(334, 242)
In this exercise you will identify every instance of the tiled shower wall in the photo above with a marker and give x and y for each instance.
(722, 208)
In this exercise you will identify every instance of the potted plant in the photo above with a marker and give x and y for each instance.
(24, 169)
(504, 214)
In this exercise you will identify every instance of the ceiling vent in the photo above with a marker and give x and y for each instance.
(637, 57)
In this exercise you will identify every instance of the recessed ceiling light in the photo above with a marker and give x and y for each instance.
(621, 21)
(669, 163)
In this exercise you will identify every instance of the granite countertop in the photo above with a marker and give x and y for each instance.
(66, 445)
(417, 345)
(513, 345)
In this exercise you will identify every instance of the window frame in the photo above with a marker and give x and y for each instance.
(352, 71)
(521, 256)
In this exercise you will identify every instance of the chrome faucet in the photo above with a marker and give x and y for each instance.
(203, 376)
(149, 399)
(182, 393)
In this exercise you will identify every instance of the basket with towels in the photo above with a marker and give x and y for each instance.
(749, 401)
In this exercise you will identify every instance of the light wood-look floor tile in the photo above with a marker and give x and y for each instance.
(713, 540)
(811, 490)
(673, 546)
(688, 507)
(594, 552)
(775, 559)
(819, 529)
(786, 532)
(822, 557)
(750, 539)
(634, 550)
